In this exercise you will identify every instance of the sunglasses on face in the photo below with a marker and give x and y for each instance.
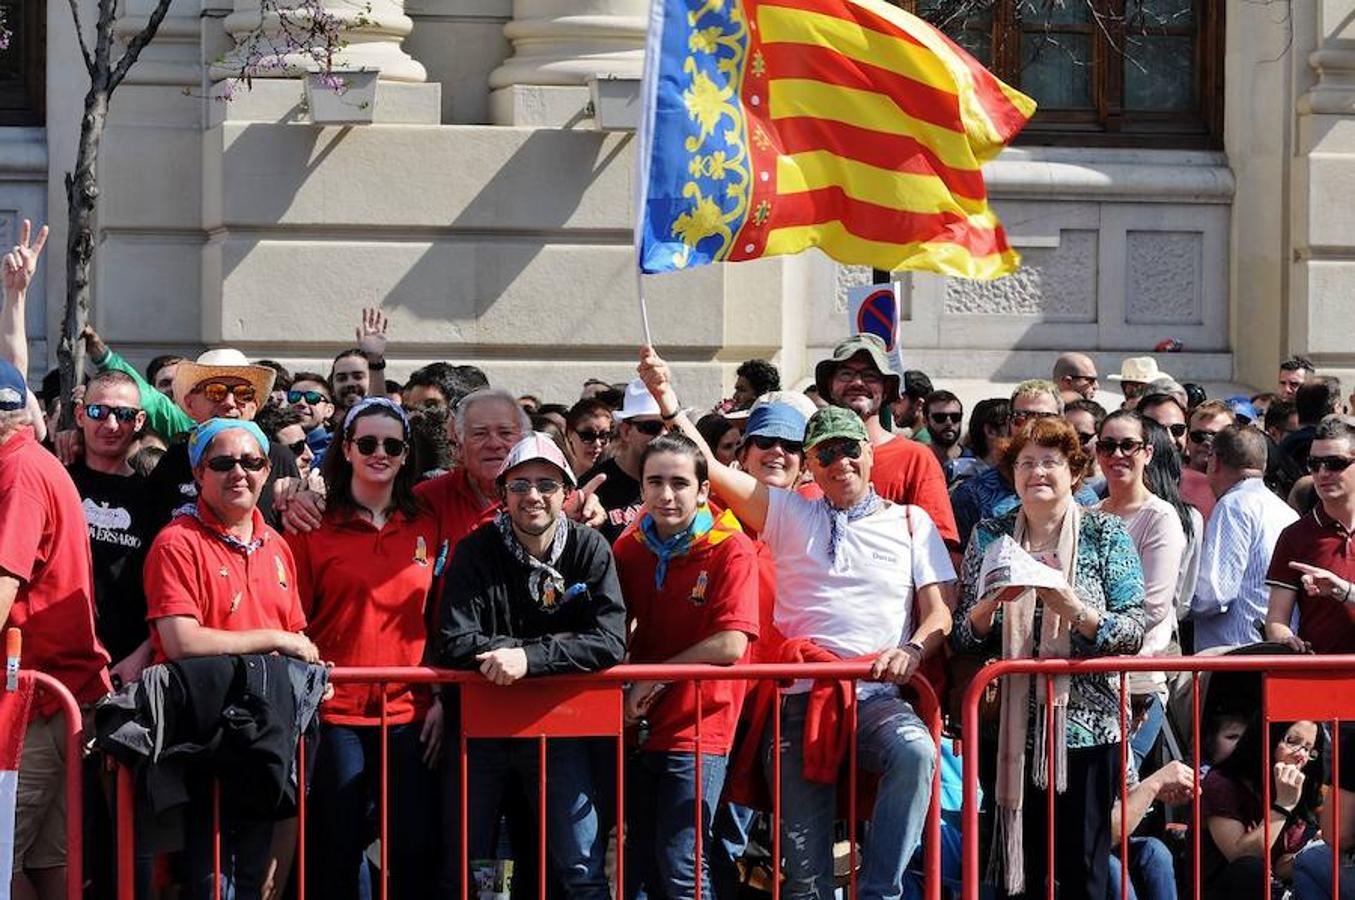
(865, 376)
(1126, 447)
(1085, 439)
(311, 397)
(767, 442)
(1203, 437)
(297, 448)
(1021, 416)
(100, 411)
(1177, 429)
(941, 418)
(216, 391)
(367, 445)
(227, 463)
(1330, 463)
(833, 452)
(589, 436)
(649, 428)
(546, 487)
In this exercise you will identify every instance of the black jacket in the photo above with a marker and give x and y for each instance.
(486, 605)
(237, 717)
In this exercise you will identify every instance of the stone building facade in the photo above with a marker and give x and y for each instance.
(490, 216)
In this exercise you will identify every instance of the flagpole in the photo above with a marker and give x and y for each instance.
(644, 310)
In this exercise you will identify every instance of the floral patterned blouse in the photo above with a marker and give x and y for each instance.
(1109, 579)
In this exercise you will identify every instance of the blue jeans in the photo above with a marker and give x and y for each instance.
(891, 742)
(1152, 875)
(1142, 739)
(245, 846)
(1312, 875)
(577, 805)
(344, 811)
(732, 824)
(661, 822)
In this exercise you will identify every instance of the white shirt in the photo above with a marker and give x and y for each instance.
(865, 604)
(1231, 592)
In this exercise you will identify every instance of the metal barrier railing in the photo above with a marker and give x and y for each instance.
(1293, 688)
(588, 705)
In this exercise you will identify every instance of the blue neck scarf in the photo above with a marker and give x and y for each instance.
(839, 519)
(677, 545)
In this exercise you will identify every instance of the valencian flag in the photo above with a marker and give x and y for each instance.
(772, 126)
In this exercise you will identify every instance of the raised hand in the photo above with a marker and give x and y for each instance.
(584, 506)
(654, 373)
(21, 262)
(371, 332)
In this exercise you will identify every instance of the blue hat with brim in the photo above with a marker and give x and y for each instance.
(13, 388)
(201, 437)
(1242, 407)
(777, 420)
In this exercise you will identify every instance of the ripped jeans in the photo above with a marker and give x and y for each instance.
(891, 742)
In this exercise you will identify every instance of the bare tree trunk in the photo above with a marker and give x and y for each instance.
(82, 195)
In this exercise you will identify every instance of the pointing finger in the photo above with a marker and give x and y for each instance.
(591, 487)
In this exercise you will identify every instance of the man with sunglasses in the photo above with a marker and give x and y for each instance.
(638, 423)
(858, 377)
(309, 395)
(989, 494)
(219, 384)
(118, 515)
(943, 413)
(1239, 540)
(1075, 375)
(533, 593)
(856, 575)
(1312, 568)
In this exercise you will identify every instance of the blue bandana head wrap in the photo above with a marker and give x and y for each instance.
(369, 402)
(200, 438)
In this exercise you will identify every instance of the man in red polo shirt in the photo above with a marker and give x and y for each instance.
(1312, 566)
(220, 581)
(857, 376)
(691, 588)
(46, 591)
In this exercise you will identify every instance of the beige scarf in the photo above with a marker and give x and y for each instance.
(1007, 862)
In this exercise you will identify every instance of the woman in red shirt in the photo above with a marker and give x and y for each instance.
(364, 578)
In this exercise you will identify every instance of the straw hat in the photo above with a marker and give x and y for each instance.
(1138, 369)
(223, 363)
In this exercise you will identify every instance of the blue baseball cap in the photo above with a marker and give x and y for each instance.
(201, 437)
(778, 420)
(13, 388)
(1242, 407)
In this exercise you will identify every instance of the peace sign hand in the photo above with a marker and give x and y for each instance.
(371, 333)
(21, 262)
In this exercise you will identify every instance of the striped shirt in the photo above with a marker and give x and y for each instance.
(1231, 591)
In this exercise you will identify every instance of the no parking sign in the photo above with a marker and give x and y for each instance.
(874, 309)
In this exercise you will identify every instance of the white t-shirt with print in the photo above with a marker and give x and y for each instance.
(865, 604)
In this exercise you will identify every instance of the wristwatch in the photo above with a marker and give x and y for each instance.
(915, 646)
(1081, 616)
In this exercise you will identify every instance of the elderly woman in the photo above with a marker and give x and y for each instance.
(1098, 611)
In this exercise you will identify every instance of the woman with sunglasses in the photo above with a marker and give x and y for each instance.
(588, 434)
(1232, 807)
(364, 578)
(1157, 529)
(1098, 611)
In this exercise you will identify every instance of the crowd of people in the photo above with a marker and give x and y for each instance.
(216, 531)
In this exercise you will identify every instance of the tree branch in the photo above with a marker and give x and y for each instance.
(138, 43)
(80, 35)
(103, 33)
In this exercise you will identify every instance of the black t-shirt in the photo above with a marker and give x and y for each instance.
(171, 485)
(619, 496)
(121, 525)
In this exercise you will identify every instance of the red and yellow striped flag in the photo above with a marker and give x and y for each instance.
(850, 125)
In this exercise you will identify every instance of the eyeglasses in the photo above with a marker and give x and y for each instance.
(297, 447)
(1083, 377)
(311, 397)
(1087, 438)
(546, 487)
(367, 445)
(941, 418)
(1176, 428)
(1021, 416)
(100, 411)
(1330, 463)
(866, 376)
(590, 436)
(216, 391)
(649, 427)
(1297, 745)
(1048, 464)
(1127, 447)
(767, 442)
(227, 463)
(1203, 437)
(836, 450)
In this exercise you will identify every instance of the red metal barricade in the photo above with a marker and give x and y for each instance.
(577, 706)
(70, 713)
(1312, 688)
